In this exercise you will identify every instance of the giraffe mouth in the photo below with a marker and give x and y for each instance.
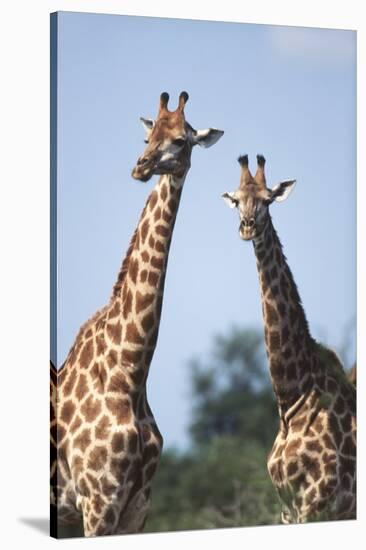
(247, 233)
(142, 174)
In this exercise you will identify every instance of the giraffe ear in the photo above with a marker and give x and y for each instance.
(230, 199)
(147, 123)
(206, 138)
(281, 191)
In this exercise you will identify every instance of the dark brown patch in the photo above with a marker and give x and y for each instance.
(143, 301)
(144, 230)
(114, 332)
(115, 309)
(132, 441)
(133, 335)
(118, 442)
(157, 214)
(83, 487)
(67, 411)
(274, 272)
(293, 315)
(118, 383)
(284, 287)
(70, 383)
(133, 269)
(143, 275)
(148, 356)
(87, 354)
(91, 408)
(277, 368)
(94, 371)
(271, 313)
(167, 217)
(97, 458)
(153, 279)
(274, 341)
(119, 468)
(267, 277)
(291, 371)
(112, 358)
(145, 256)
(281, 309)
(162, 230)
(287, 352)
(154, 336)
(151, 241)
(146, 433)
(159, 247)
(127, 303)
(292, 468)
(172, 204)
(102, 430)
(137, 376)
(60, 433)
(110, 516)
(131, 356)
(151, 451)
(148, 321)
(332, 386)
(83, 440)
(314, 446)
(101, 345)
(275, 290)
(120, 408)
(153, 200)
(107, 487)
(312, 466)
(339, 406)
(163, 192)
(348, 447)
(328, 442)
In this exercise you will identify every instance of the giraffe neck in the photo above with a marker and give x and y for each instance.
(138, 293)
(288, 341)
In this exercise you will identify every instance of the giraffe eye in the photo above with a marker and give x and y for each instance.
(146, 141)
(179, 142)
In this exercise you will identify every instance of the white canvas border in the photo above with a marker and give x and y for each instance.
(25, 271)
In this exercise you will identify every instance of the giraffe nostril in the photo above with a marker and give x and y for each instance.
(142, 160)
(251, 222)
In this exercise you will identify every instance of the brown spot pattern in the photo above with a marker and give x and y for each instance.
(91, 408)
(87, 354)
(120, 408)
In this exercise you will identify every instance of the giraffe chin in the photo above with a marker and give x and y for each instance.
(141, 176)
(246, 235)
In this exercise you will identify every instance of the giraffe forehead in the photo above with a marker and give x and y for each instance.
(169, 126)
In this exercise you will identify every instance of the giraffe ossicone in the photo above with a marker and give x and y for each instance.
(105, 444)
(313, 460)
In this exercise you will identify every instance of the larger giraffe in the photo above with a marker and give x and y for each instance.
(313, 461)
(105, 444)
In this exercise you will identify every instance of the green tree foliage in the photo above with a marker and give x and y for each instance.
(222, 480)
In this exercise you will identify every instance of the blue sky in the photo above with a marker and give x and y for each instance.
(286, 92)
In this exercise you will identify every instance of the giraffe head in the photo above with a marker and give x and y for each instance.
(170, 140)
(253, 197)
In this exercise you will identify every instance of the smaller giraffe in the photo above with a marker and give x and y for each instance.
(313, 461)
